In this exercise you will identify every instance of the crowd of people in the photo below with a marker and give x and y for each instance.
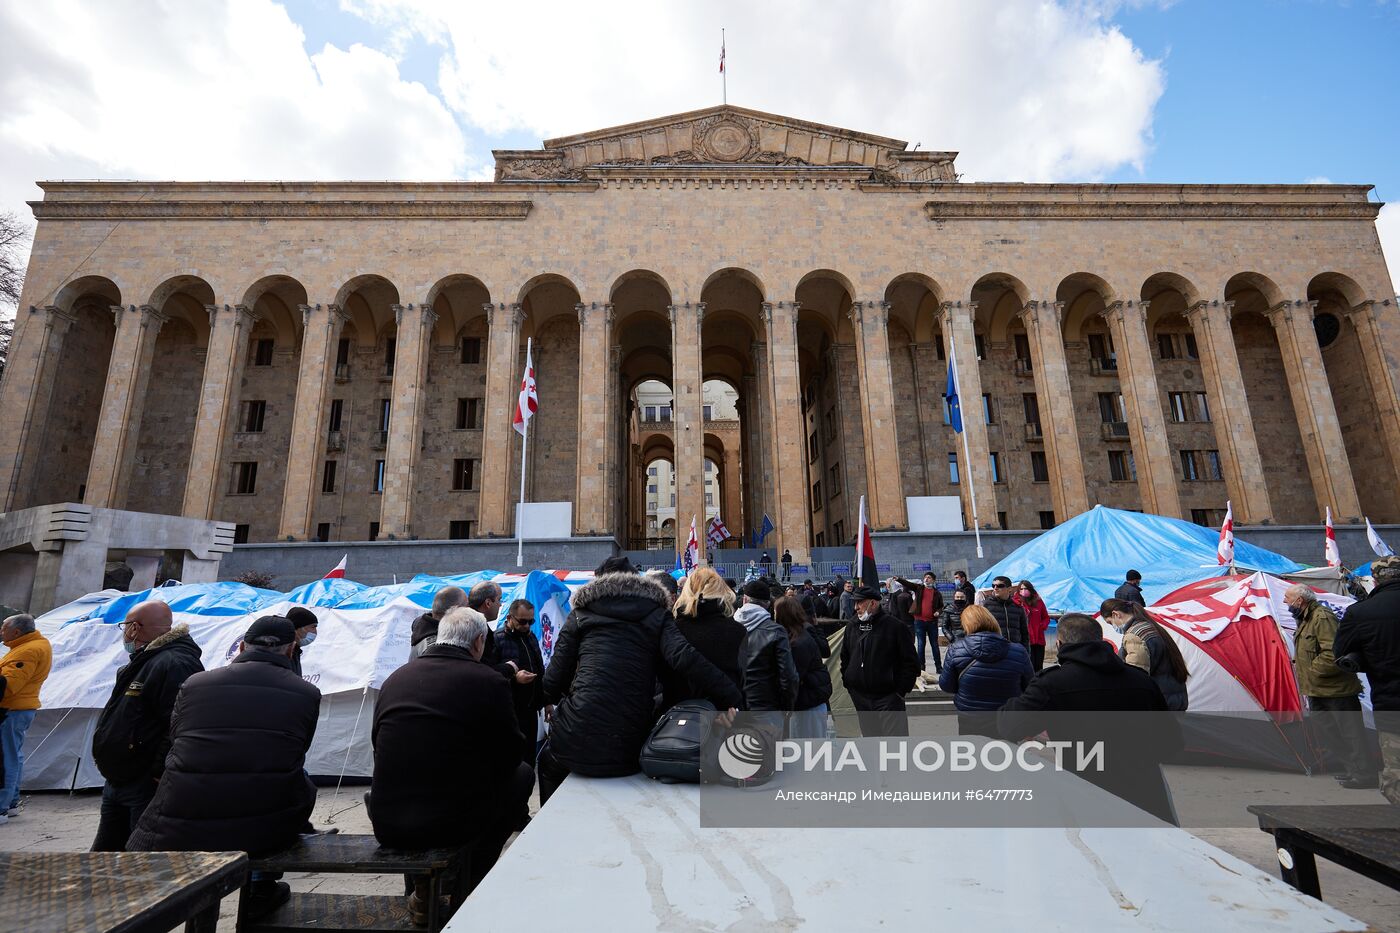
(197, 759)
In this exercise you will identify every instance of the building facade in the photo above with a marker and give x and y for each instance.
(341, 360)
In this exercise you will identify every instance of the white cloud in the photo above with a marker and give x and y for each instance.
(220, 89)
(1027, 90)
(1317, 180)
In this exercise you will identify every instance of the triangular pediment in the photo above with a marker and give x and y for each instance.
(718, 137)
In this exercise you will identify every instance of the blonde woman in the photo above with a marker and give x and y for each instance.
(705, 616)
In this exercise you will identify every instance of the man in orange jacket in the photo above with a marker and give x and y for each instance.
(23, 670)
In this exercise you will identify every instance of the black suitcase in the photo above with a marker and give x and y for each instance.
(671, 753)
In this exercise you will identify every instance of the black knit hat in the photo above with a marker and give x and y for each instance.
(271, 632)
(301, 617)
(758, 590)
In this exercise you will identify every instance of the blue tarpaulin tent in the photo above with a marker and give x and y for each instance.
(1077, 565)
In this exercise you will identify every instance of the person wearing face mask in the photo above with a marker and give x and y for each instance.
(238, 743)
(132, 737)
(1147, 646)
(1037, 620)
(305, 622)
(878, 666)
(950, 621)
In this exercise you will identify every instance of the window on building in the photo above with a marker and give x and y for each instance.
(1111, 407)
(1047, 519)
(709, 466)
(1022, 342)
(262, 351)
(665, 412)
(1166, 347)
(374, 531)
(947, 411)
(838, 533)
(980, 343)
(673, 500)
(651, 471)
(1001, 520)
(812, 448)
(1040, 469)
(1201, 465)
(1031, 406)
(821, 539)
(471, 350)
(253, 413)
(342, 352)
(1101, 349)
(1209, 518)
(1213, 469)
(468, 414)
(939, 348)
(988, 412)
(323, 531)
(459, 530)
(649, 413)
(831, 424)
(817, 499)
(378, 481)
(1121, 467)
(240, 534)
(834, 475)
(391, 347)
(245, 478)
(953, 467)
(328, 476)
(384, 414)
(1191, 352)
(709, 498)
(651, 488)
(709, 412)
(1177, 404)
(337, 411)
(463, 472)
(1202, 407)
(997, 476)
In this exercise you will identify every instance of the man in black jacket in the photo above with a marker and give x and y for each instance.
(1009, 615)
(517, 643)
(234, 781)
(1091, 678)
(878, 666)
(1131, 589)
(769, 673)
(132, 736)
(602, 677)
(447, 769)
(424, 631)
(1370, 632)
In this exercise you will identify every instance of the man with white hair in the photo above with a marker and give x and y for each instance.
(1334, 695)
(447, 769)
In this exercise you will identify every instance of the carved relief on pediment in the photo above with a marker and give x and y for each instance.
(548, 166)
(726, 138)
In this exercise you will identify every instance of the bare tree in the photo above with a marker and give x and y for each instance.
(14, 239)
(7, 333)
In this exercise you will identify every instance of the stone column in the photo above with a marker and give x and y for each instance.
(502, 393)
(123, 401)
(687, 420)
(25, 393)
(1321, 430)
(759, 419)
(595, 432)
(883, 482)
(1372, 319)
(1147, 426)
(223, 376)
(321, 326)
(1068, 489)
(730, 504)
(407, 397)
(956, 324)
(1234, 432)
(788, 438)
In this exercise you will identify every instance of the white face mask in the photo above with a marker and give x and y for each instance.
(864, 616)
(308, 638)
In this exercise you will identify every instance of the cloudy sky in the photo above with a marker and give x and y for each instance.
(1077, 90)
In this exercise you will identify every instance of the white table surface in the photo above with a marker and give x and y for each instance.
(628, 854)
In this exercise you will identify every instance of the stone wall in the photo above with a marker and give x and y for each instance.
(76, 402)
(1275, 424)
(167, 421)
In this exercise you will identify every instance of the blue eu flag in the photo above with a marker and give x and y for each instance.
(950, 395)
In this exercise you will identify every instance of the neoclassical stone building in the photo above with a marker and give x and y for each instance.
(341, 360)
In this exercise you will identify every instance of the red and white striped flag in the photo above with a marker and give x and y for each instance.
(338, 571)
(529, 400)
(1334, 556)
(1225, 550)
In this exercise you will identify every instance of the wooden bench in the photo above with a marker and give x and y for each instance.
(358, 855)
(1364, 838)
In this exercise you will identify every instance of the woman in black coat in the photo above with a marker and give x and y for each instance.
(705, 616)
(808, 719)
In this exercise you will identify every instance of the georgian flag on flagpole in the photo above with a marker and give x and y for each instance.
(692, 550)
(1334, 557)
(721, 57)
(529, 400)
(338, 571)
(1379, 546)
(1225, 550)
(866, 571)
(717, 532)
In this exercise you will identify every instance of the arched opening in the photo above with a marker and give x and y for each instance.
(724, 492)
(1353, 397)
(737, 409)
(1270, 403)
(255, 451)
(162, 458)
(1009, 405)
(1101, 416)
(550, 304)
(919, 371)
(76, 400)
(447, 486)
(656, 483)
(834, 414)
(639, 346)
(1189, 412)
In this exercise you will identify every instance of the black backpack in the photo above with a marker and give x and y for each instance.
(687, 747)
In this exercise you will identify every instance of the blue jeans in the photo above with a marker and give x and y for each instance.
(927, 632)
(12, 730)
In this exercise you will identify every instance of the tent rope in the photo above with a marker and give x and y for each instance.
(51, 731)
(331, 812)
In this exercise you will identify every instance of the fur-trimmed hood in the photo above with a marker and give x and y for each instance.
(160, 641)
(619, 586)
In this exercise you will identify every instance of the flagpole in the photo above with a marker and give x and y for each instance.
(724, 68)
(967, 454)
(520, 506)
